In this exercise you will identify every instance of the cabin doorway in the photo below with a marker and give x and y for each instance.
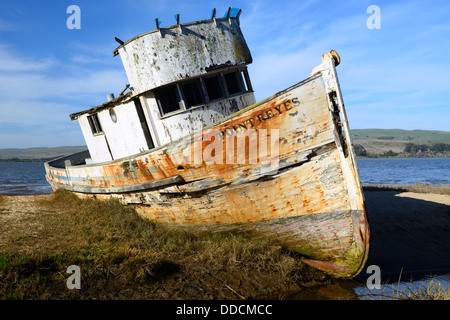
(144, 125)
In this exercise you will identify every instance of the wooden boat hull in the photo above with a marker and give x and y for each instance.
(283, 168)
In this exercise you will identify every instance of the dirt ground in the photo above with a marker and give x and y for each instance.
(409, 232)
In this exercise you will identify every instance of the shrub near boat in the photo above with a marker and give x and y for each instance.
(188, 146)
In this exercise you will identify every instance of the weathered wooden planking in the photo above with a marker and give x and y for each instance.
(302, 123)
(307, 196)
(306, 209)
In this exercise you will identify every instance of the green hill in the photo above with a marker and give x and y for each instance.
(420, 143)
(371, 142)
(36, 154)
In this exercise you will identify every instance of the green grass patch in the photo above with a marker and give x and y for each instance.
(415, 136)
(123, 255)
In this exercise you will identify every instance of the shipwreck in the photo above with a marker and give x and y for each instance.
(186, 144)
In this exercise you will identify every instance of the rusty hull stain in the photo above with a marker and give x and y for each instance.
(305, 204)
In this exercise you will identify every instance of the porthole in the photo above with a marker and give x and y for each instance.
(113, 115)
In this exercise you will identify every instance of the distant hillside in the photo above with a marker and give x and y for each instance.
(401, 143)
(367, 143)
(37, 154)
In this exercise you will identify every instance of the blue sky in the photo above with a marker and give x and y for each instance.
(397, 76)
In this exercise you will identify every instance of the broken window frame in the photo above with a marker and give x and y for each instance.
(162, 103)
(198, 96)
(201, 83)
(218, 88)
(238, 84)
(94, 123)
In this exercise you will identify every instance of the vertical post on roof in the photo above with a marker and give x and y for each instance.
(228, 15)
(157, 25)
(213, 16)
(177, 18)
(238, 14)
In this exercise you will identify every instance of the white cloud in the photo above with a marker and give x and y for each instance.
(10, 61)
(29, 78)
(39, 94)
(395, 75)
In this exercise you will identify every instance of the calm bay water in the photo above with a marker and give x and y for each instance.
(407, 171)
(23, 178)
(29, 177)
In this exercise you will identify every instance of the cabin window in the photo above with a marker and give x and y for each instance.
(94, 123)
(214, 87)
(233, 86)
(192, 93)
(168, 99)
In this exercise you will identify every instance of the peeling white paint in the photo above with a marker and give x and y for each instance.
(176, 53)
(166, 56)
(119, 139)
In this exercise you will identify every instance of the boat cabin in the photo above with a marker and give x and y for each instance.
(182, 78)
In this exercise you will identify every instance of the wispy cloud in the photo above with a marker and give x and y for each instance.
(388, 76)
(38, 94)
(7, 26)
(393, 77)
(11, 61)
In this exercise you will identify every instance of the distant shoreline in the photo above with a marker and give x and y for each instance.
(28, 160)
(404, 157)
(367, 144)
(37, 154)
(357, 157)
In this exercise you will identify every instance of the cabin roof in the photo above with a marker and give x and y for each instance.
(106, 105)
(116, 50)
(232, 14)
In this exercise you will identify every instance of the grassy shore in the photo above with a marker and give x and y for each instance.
(124, 256)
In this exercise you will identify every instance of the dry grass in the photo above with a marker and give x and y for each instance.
(123, 256)
(428, 290)
(432, 290)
